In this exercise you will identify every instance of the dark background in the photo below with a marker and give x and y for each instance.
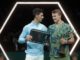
(71, 7)
(23, 15)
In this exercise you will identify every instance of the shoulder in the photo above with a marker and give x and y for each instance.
(27, 26)
(43, 26)
(51, 26)
(66, 25)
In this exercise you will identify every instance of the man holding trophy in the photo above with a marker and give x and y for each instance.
(61, 36)
(34, 49)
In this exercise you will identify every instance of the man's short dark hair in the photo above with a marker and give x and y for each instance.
(37, 11)
(57, 11)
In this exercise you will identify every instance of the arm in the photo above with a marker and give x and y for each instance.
(70, 33)
(70, 41)
(23, 35)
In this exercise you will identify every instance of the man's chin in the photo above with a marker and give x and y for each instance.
(55, 21)
(41, 21)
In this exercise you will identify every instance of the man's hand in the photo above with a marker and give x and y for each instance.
(28, 37)
(63, 41)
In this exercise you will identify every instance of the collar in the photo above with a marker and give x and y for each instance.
(34, 23)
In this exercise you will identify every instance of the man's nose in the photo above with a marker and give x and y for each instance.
(43, 17)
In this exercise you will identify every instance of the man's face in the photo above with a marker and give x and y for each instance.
(39, 17)
(56, 17)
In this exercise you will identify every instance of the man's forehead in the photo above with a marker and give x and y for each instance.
(41, 13)
(55, 14)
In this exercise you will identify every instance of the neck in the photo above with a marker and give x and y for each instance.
(35, 20)
(59, 22)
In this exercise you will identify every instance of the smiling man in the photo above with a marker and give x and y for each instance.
(34, 51)
(61, 36)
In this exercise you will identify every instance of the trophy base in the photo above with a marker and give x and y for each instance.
(62, 54)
